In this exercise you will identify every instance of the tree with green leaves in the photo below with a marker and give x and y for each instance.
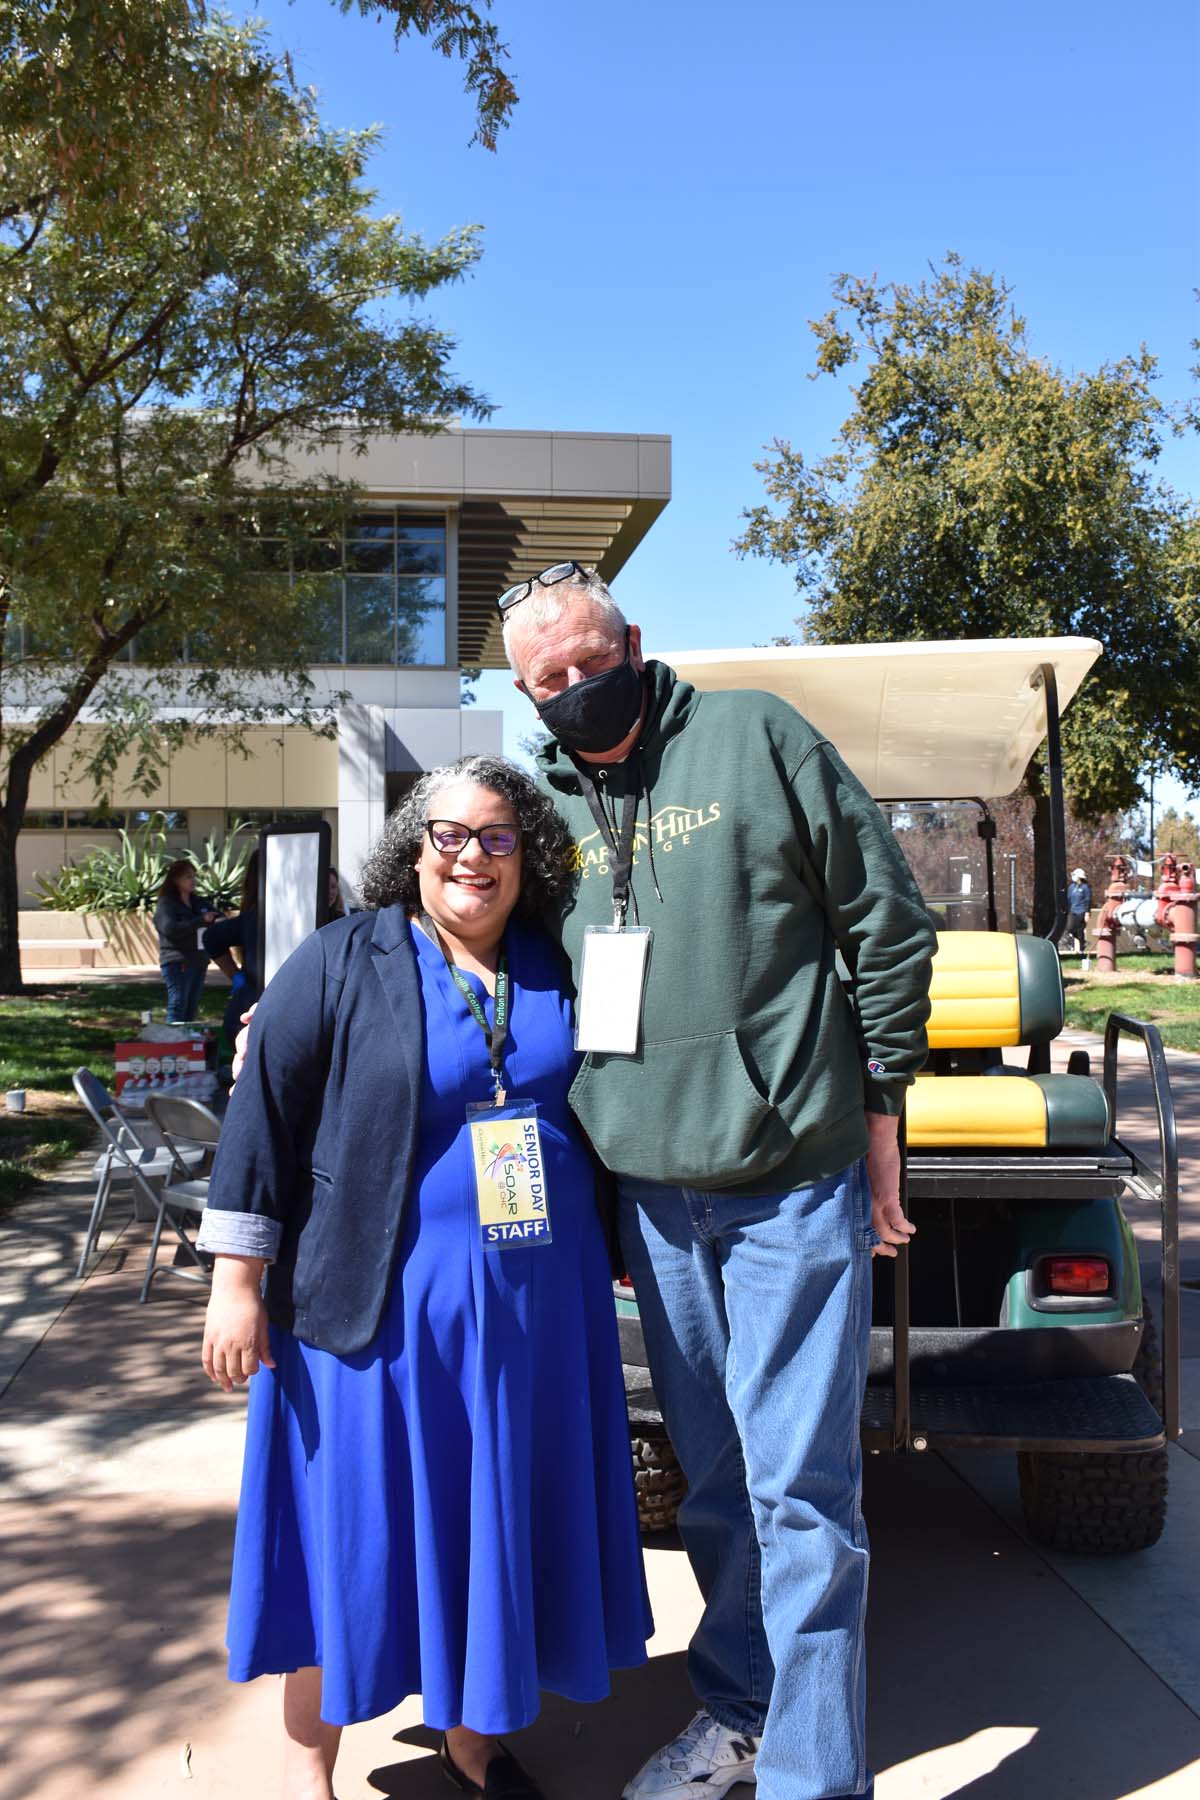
(194, 295)
(1178, 834)
(977, 491)
(462, 31)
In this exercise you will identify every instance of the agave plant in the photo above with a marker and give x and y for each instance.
(67, 891)
(220, 868)
(124, 880)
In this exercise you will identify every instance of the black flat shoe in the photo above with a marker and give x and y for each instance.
(504, 1778)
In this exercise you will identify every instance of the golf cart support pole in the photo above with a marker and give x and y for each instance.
(901, 1380)
(1161, 1184)
(1048, 682)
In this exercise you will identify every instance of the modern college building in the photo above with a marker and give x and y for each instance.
(445, 524)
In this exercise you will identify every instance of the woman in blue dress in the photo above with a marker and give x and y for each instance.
(437, 1495)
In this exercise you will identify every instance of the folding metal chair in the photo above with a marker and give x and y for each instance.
(188, 1129)
(126, 1162)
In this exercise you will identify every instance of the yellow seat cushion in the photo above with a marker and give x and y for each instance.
(974, 992)
(999, 1111)
(990, 990)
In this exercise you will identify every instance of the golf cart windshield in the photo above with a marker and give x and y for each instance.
(948, 854)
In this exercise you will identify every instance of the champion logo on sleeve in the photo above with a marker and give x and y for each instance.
(875, 1068)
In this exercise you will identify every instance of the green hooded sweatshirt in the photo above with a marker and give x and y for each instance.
(758, 856)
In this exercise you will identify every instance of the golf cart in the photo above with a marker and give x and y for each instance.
(1015, 1321)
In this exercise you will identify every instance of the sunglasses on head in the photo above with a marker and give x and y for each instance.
(550, 577)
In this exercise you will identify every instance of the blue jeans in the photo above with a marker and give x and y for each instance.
(185, 984)
(757, 1316)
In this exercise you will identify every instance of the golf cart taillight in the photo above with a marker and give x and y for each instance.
(1076, 1274)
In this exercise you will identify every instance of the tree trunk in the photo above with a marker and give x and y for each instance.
(10, 947)
(1043, 861)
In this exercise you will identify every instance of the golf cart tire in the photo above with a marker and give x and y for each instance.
(658, 1480)
(1096, 1503)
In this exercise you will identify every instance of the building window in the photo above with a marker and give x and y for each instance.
(166, 819)
(98, 818)
(257, 816)
(382, 599)
(383, 589)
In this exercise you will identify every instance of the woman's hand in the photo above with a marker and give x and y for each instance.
(240, 1042)
(236, 1342)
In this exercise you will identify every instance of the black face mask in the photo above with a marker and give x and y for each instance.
(595, 714)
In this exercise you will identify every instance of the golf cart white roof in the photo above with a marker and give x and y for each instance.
(937, 721)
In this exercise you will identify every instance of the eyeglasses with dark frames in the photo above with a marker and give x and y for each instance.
(550, 577)
(448, 837)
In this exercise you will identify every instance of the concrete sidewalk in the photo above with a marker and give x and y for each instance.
(996, 1672)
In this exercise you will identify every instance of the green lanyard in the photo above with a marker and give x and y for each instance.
(496, 1034)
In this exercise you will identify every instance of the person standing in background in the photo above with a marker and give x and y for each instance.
(240, 933)
(1079, 905)
(179, 918)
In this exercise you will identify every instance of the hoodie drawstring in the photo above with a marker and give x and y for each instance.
(650, 836)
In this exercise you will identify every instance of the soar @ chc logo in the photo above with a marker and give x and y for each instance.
(673, 828)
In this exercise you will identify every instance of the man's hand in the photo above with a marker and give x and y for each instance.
(240, 1042)
(235, 1327)
(883, 1175)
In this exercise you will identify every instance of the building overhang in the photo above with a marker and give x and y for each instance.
(524, 500)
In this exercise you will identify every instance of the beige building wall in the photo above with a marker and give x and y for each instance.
(286, 769)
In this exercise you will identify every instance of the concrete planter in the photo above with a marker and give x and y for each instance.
(60, 940)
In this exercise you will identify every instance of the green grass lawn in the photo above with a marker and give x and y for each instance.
(46, 1035)
(1141, 987)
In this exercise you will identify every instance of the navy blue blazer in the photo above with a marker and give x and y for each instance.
(325, 1144)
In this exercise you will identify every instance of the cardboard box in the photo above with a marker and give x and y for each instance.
(146, 1067)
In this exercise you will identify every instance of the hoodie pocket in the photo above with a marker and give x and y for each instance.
(685, 1112)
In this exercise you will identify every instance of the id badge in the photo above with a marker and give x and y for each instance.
(510, 1175)
(612, 980)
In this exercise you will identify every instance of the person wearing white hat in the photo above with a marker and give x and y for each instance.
(1079, 904)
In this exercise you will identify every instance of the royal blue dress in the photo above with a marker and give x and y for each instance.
(450, 1510)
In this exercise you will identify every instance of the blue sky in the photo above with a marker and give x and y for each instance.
(682, 179)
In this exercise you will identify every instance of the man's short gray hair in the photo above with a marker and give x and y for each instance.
(546, 605)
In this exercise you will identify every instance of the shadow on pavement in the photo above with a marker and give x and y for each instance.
(110, 1375)
(974, 1642)
(111, 1626)
(989, 1677)
(575, 1752)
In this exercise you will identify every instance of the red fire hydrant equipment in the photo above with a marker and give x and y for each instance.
(1183, 923)
(1107, 929)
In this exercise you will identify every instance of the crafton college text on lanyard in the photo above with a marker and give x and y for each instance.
(612, 973)
(506, 1145)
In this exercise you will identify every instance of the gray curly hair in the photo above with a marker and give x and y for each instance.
(389, 876)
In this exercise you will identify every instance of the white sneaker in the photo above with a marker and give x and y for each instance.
(704, 1760)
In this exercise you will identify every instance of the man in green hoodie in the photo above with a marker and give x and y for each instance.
(748, 1103)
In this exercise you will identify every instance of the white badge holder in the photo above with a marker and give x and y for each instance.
(612, 981)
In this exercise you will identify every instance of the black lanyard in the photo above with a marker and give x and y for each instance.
(495, 1034)
(620, 849)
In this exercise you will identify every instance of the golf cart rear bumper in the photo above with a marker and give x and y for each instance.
(1101, 1413)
